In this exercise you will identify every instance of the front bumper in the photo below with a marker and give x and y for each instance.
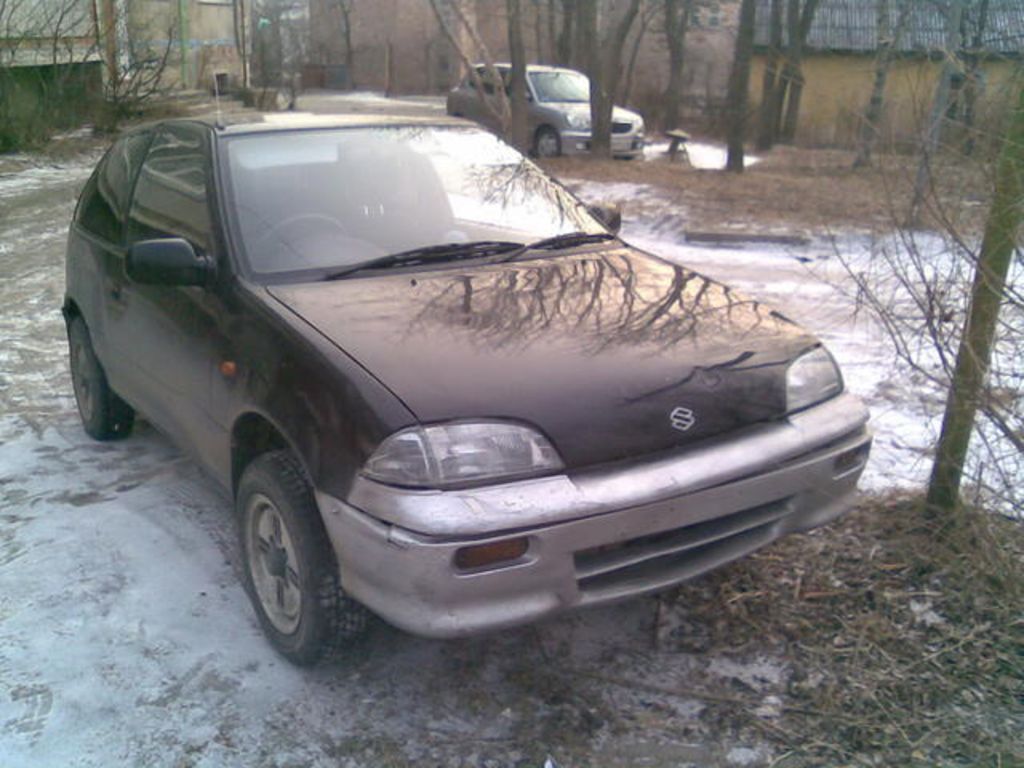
(623, 144)
(597, 537)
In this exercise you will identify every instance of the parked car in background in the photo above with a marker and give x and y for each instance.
(559, 111)
(435, 384)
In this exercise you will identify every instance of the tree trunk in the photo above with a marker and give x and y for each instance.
(581, 43)
(518, 128)
(972, 77)
(627, 90)
(793, 96)
(888, 40)
(739, 83)
(939, 107)
(677, 19)
(605, 67)
(974, 354)
(799, 26)
(346, 15)
(551, 54)
(566, 35)
(769, 117)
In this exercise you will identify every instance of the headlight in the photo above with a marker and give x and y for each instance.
(578, 121)
(452, 454)
(812, 378)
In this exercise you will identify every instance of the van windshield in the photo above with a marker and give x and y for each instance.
(561, 86)
(310, 201)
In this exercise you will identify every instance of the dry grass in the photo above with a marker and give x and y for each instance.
(808, 189)
(906, 638)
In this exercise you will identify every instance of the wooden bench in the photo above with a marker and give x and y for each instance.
(677, 145)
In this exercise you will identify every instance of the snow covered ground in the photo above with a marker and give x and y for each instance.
(126, 638)
(703, 154)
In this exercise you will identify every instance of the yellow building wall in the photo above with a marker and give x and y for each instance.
(837, 88)
(209, 34)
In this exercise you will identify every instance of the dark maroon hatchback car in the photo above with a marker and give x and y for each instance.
(437, 384)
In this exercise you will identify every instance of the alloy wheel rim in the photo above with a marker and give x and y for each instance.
(273, 564)
(547, 144)
(82, 380)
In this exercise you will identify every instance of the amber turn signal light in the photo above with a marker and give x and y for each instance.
(494, 553)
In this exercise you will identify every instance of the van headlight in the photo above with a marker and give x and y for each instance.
(578, 121)
(444, 455)
(812, 378)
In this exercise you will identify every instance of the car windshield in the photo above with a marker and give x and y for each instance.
(317, 201)
(561, 86)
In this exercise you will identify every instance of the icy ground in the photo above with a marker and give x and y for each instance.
(126, 638)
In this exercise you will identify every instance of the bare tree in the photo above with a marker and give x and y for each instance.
(954, 10)
(458, 24)
(648, 9)
(345, 14)
(799, 27)
(604, 66)
(564, 49)
(519, 126)
(973, 57)
(739, 82)
(954, 312)
(987, 296)
(769, 113)
(889, 38)
(781, 106)
(677, 20)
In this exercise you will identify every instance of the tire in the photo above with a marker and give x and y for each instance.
(104, 415)
(547, 142)
(291, 573)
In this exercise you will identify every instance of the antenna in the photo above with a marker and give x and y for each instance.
(216, 99)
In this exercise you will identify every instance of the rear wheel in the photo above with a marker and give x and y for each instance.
(291, 574)
(547, 142)
(105, 416)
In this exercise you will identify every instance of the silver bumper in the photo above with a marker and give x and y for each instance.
(623, 144)
(597, 537)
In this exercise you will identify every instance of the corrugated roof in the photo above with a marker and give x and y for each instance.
(852, 25)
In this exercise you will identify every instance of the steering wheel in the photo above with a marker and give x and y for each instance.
(316, 219)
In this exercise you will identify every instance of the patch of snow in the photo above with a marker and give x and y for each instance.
(745, 756)
(705, 155)
(769, 708)
(756, 673)
(925, 614)
(40, 176)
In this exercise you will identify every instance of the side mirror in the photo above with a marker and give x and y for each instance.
(172, 261)
(609, 215)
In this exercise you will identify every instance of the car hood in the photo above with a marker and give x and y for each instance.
(612, 353)
(583, 108)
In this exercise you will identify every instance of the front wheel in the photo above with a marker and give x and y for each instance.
(105, 416)
(547, 142)
(291, 574)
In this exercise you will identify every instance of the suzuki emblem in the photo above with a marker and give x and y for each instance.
(682, 418)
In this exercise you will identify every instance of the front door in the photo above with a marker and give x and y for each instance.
(173, 334)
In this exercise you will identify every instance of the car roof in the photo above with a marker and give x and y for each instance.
(529, 67)
(270, 122)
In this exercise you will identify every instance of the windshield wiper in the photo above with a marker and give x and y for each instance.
(442, 252)
(567, 240)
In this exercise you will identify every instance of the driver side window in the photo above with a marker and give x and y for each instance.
(171, 195)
